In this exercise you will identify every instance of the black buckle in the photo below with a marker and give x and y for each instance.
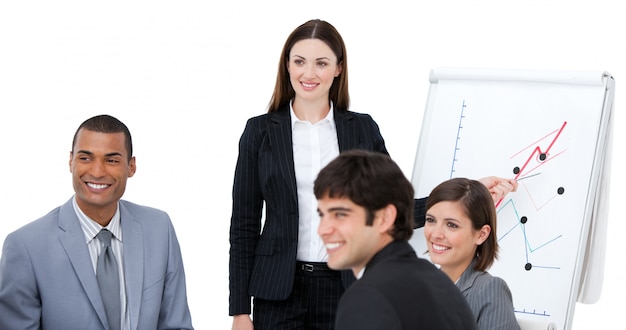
(308, 267)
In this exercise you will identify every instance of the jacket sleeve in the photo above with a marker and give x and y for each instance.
(245, 224)
(420, 212)
(174, 312)
(20, 306)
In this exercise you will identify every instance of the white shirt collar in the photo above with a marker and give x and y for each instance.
(329, 117)
(360, 274)
(91, 228)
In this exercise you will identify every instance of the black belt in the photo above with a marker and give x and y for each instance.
(314, 267)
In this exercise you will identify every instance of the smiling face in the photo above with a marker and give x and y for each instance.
(312, 69)
(451, 238)
(350, 243)
(100, 167)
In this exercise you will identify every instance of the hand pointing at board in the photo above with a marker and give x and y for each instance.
(499, 187)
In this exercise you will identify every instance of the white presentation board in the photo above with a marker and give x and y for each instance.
(551, 130)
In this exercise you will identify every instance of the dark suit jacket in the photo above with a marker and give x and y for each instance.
(400, 291)
(262, 264)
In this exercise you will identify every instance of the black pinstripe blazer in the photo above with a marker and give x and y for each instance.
(262, 262)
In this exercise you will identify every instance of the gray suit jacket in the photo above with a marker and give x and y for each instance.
(489, 298)
(47, 279)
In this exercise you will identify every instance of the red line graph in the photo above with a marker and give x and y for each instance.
(537, 152)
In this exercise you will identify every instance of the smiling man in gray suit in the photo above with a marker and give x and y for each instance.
(48, 267)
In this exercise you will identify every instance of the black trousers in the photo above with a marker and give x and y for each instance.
(312, 304)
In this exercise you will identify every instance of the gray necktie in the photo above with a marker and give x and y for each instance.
(109, 281)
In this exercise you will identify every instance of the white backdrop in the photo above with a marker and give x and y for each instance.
(185, 76)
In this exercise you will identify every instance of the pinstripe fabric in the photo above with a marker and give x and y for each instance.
(489, 298)
(262, 262)
(312, 305)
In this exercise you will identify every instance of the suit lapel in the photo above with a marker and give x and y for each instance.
(347, 133)
(132, 239)
(73, 241)
(280, 136)
(466, 281)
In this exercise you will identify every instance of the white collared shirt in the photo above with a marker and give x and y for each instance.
(91, 229)
(314, 146)
(360, 274)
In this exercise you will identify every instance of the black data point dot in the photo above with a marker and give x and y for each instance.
(528, 266)
(560, 191)
(515, 170)
(523, 219)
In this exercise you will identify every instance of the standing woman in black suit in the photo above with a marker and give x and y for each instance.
(283, 264)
